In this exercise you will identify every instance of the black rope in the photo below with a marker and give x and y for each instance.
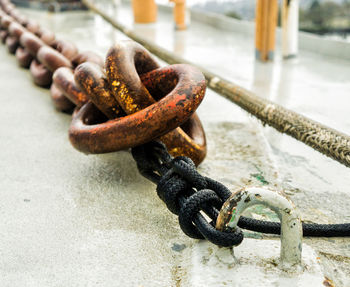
(196, 198)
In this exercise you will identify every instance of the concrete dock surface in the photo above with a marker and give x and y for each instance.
(68, 219)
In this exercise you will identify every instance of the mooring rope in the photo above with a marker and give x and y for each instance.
(326, 140)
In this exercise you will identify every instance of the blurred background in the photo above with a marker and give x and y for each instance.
(330, 18)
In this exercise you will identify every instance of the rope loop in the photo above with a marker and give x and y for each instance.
(191, 208)
(170, 188)
(186, 168)
(186, 193)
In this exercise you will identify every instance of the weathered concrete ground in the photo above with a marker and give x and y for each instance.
(68, 219)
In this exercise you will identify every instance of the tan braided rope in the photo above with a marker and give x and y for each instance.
(328, 141)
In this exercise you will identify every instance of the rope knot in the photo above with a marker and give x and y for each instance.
(186, 193)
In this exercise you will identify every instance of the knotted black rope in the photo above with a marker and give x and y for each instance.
(190, 195)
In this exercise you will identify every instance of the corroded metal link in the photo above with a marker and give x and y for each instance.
(48, 59)
(31, 43)
(67, 49)
(3, 36)
(92, 79)
(47, 36)
(3, 31)
(23, 57)
(32, 26)
(87, 134)
(87, 56)
(12, 44)
(125, 62)
(16, 30)
(63, 79)
(5, 22)
(52, 59)
(40, 74)
(61, 102)
(188, 139)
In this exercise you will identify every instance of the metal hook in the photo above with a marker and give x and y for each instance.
(291, 227)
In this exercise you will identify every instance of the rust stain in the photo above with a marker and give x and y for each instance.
(328, 282)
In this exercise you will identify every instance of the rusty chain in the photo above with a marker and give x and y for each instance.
(128, 102)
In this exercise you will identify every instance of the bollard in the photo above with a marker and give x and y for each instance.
(266, 22)
(290, 27)
(145, 11)
(180, 14)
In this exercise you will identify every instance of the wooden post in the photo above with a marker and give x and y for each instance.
(290, 27)
(180, 14)
(266, 22)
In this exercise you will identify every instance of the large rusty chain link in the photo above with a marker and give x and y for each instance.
(129, 101)
(132, 76)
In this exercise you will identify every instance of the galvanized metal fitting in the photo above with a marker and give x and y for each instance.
(291, 227)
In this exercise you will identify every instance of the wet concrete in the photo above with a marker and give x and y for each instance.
(74, 220)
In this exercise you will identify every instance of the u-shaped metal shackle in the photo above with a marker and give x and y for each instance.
(291, 227)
